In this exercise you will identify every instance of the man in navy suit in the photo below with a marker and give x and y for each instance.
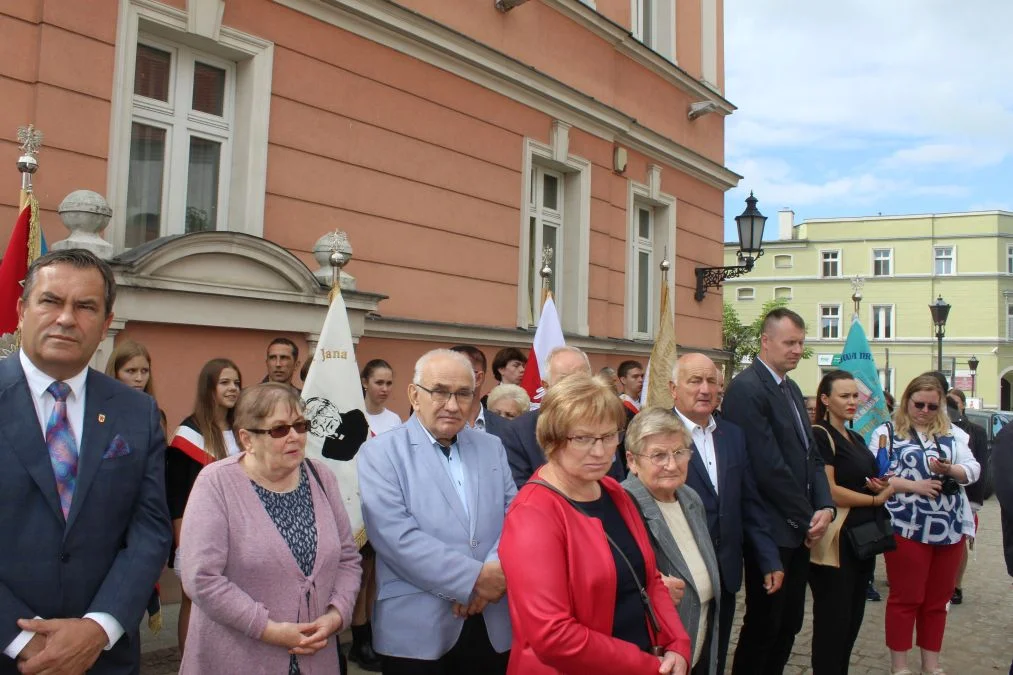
(720, 473)
(793, 486)
(83, 515)
(518, 435)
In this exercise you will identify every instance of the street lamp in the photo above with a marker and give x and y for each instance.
(940, 310)
(750, 226)
(972, 363)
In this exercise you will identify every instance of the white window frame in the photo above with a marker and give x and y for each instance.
(820, 317)
(784, 256)
(574, 259)
(891, 317)
(889, 261)
(1009, 258)
(649, 194)
(243, 172)
(840, 264)
(789, 296)
(741, 294)
(181, 123)
(661, 26)
(546, 217)
(952, 258)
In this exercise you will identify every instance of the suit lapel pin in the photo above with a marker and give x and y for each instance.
(101, 418)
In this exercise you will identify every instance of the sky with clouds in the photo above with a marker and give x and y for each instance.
(869, 106)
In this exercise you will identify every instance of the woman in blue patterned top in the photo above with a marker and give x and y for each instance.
(929, 466)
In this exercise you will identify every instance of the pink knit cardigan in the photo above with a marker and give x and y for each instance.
(239, 572)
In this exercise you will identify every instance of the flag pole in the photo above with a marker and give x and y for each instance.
(30, 139)
(546, 273)
(338, 260)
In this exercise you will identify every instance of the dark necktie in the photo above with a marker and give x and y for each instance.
(62, 446)
(447, 448)
(799, 429)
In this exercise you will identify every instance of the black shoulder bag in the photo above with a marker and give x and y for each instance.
(645, 600)
(875, 536)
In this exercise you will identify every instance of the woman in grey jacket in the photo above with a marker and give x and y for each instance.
(658, 449)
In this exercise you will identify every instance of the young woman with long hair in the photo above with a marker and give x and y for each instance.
(839, 574)
(377, 383)
(931, 516)
(203, 437)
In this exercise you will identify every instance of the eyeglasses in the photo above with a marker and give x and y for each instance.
(281, 431)
(584, 443)
(921, 405)
(442, 396)
(660, 459)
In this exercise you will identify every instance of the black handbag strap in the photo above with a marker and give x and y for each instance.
(313, 470)
(644, 598)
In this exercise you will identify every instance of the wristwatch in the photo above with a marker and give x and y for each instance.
(832, 510)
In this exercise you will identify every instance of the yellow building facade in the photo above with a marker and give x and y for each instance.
(904, 263)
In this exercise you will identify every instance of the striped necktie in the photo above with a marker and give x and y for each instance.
(62, 446)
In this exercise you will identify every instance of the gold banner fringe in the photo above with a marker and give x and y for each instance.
(34, 242)
(360, 538)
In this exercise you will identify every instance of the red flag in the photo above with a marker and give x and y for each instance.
(13, 270)
(548, 336)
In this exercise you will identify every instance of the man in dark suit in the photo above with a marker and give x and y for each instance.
(720, 473)
(793, 487)
(83, 515)
(518, 436)
(1002, 466)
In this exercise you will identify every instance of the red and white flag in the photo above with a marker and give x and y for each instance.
(548, 336)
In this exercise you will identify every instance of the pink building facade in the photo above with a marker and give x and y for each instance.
(452, 142)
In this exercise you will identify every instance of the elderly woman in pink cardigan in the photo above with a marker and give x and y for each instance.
(269, 559)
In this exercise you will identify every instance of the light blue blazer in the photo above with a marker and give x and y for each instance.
(428, 550)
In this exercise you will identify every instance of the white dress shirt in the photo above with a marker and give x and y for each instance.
(453, 466)
(703, 438)
(44, 403)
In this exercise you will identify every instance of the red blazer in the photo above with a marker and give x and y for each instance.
(561, 586)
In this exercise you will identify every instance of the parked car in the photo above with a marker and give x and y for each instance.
(993, 421)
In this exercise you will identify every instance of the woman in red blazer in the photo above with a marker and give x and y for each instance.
(574, 601)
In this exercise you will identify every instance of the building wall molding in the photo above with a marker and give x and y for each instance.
(226, 280)
(395, 328)
(420, 37)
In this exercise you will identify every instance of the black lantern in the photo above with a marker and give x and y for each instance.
(972, 363)
(750, 226)
(940, 311)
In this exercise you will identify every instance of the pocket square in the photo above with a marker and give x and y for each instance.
(118, 448)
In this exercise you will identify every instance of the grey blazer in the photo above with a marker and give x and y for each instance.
(672, 563)
(429, 550)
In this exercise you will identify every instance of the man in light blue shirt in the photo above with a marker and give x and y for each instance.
(434, 495)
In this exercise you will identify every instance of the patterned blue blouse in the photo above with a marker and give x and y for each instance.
(292, 513)
(937, 521)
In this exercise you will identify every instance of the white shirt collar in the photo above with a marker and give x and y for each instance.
(777, 378)
(693, 426)
(38, 381)
(480, 417)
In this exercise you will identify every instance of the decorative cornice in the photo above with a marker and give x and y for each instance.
(420, 37)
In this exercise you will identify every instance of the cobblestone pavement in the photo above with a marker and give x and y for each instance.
(979, 633)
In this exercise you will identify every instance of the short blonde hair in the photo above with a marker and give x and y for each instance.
(652, 422)
(511, 392)
(574, 400)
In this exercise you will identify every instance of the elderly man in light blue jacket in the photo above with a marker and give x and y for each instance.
(434, 495)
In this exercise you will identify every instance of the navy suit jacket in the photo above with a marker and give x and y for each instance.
(523, 452)
(107, 554)
(789, 470)
(735, 511)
